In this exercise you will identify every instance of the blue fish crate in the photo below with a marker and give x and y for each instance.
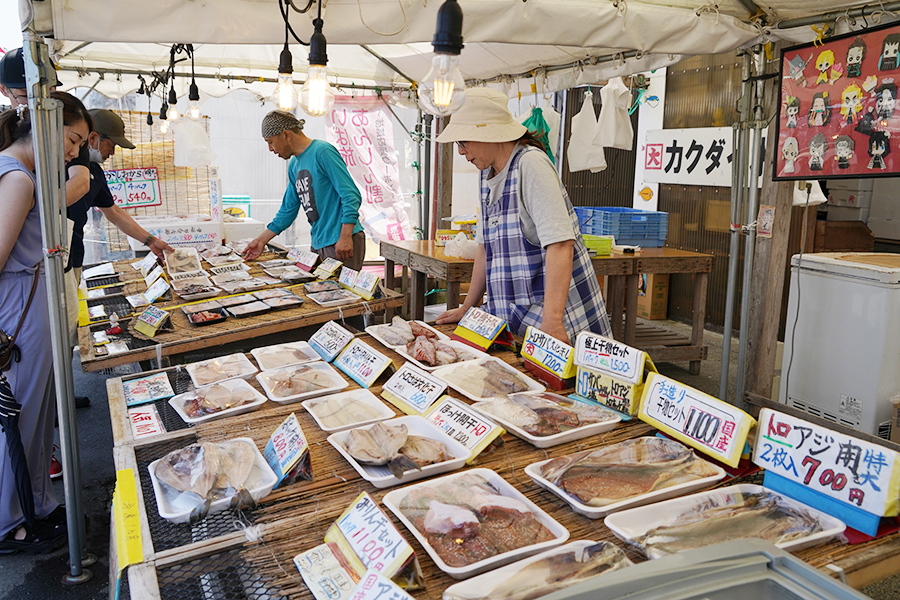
(638, 227)
(585, 216)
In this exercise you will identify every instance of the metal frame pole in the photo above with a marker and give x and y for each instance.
(428, 176)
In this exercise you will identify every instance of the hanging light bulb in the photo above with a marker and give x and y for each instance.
(163, 120)
(316, 95)
(194, 98)
(285, 96)
(172, 114)
(443, 90)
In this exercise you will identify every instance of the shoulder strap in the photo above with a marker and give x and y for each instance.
(34, 283)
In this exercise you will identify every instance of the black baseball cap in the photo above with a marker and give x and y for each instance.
(12, 71)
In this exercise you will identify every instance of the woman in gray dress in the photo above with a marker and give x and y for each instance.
(31, 379)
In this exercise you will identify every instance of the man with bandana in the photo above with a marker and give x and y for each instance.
(319, 183)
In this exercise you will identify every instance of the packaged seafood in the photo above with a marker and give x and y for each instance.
(230, 268)
(246, 285)
(290, 384)
(292, 274)
(399, 332)
(236, 300)
(182, 260)
(546, 419)
(198, 292)
(201, 306)
(231, 277)
(283, 355)
(474, 521)
(624, 475)
(734, 512)
(224, 259)
(206, 317)
(355, 408)
(314, 287)
(400, 450)
(281, 302)
(277, 292)
(335, 298)
(232, 397)
(487, 378)
(267, 280)
(422, 350)
(179, 283)
(214, 370)
(275, 262)
(240, 246)
(248, 310)
(219, 250)
(206, 478)
(540, 575)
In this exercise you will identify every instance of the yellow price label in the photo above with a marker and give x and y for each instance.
(127, 518)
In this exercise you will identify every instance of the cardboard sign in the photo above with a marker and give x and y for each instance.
(412, 390)
(285, 447)
(368, 540)
(150, 321)
(155, 291)
(468, 427)
(853, 471)
(375, 586)
(328, 268)
(324, 574)
(147, 389)
(304, 259)
(614, 393)
(548, 353)
(362, 363)
(697, 419)
(347, 278)
(329, 340)
(608, 356)
(154, 274)
(365, 284)
(145, 421)
(479, 328)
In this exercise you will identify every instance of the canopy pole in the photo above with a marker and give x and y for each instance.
(47, 136)
(420, 136)
(426, 189)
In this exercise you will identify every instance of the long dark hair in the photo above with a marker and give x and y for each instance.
(16, 125)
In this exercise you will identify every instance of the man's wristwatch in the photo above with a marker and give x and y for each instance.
(149, 240)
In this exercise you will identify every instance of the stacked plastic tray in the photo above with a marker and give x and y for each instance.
(630, 226)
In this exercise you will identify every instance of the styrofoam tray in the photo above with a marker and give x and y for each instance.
(230, 268)
(231, 277)
(375, 332)
(259, 483)
(177, 402)
(381, 477)
(266, 360)
(212, 293)
(595, 512)
(360, 395)
(548, 441)
(393, 499)
(247, 368)
(200, 279)
(635, 522)
(191, 257)
(441, 373)
(212, 305)
(485, 585)
(344, 297)
(235, 287)
(275, 262)
(340, 383)
(476, 355)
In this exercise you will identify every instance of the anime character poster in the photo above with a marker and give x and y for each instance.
(839, 114)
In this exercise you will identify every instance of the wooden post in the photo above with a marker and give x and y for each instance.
(443, 181)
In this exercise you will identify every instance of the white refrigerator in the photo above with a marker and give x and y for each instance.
(842, 345)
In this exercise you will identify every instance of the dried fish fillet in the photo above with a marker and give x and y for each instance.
(334, 412)
(236, 462)
(391, 445)
(218, 369)
(216, 398)
(299, 380)
(546, 414)
(191, 469)
(486, 379)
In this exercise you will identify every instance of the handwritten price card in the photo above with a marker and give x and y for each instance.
(324, 574)
(856, 472)
(154, 274)
(147, 389)
(479, 328)
(329, 340)
(365, 284)
(127, 517)
(549, 353)
(368, 540)
(145, 421)
(347, 278)
(286, 447)
(304, 259)
(146, 264)
(618, 395)
(328, 268)
(375, 586)
(610, 357)
(468, 427)
(149, 321)
(155, 291)
(697, 419)
(134, 187)
(362, 363)
(412, 390)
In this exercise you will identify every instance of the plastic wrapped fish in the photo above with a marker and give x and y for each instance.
(316, 287)
(338, 412)
(292, 381)
(391, 445)
(546, 414)
(216, 398)
(485, 379)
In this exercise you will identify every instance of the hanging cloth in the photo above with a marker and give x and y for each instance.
(540, 129)
(614, 124)
(553, 119)
(583, 153)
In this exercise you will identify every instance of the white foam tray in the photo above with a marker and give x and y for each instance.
(548, 441)
(177, 402)
(339, 383)
(441, 373)
(345, 298)
(247, 368)
(266, 362)
(361, 395)
(632, 523)
(456, 345)
(393, 499)
(375, 332)
(212, 293)
(596, 512)
(381, 477)
(259, 483)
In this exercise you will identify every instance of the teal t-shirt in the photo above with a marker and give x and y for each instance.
(318, 181)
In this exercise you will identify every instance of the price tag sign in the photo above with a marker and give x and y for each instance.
(618, 395)
(468, 427)
(375, 586)
(609, 356)
(365, 284)
(479, 328)
(855, 472)
(147, 264)
(145, 421)
(347, 278)
(127, 518)
(304, 259)
(147, 389)
(368, 539)
(697, 419)
(549, 353)
(155, 291)
(285, 447)
(328, 268)
(149, 321)
(154, 274)
(134, 187)
(329, 340)
(324, 574)
(362, 362)
(412, 390)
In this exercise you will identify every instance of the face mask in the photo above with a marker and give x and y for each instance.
(95, 155)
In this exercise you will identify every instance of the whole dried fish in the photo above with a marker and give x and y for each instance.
(333, 412)
(191, 469)
(545, 414)
(391, 445)
(216, 398)
(486, 379)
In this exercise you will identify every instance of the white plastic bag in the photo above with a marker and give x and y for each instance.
(192, 148)
(582, 152)
(461, 247)
(815, 194)
(614, 123)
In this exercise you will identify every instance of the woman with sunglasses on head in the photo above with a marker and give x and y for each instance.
(531, 261)
(31, 378)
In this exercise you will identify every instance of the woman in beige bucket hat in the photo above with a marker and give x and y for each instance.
(531, 261)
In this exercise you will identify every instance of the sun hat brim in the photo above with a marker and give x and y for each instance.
(483, 117)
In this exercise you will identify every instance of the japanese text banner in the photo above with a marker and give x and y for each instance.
(700, 156)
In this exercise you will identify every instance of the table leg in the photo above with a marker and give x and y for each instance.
(631, 295)
(389, 284)
(404, 289)
(699, 317)
(452, 295)
(616, 305)
(417, 295)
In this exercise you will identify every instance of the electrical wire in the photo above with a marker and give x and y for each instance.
(787, 374)
(366, 25)
(287, 24)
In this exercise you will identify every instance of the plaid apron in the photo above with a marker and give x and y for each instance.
(515, 266)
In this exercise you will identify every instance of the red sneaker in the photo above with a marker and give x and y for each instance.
(55, 465)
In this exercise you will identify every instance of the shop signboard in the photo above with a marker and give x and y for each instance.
(698, 156)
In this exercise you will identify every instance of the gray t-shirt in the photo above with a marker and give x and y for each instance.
(542, 200)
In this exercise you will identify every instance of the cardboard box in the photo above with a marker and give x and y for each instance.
(859, 185)
(843, 236)
(848, 213)
(854, 198)
(653, 296)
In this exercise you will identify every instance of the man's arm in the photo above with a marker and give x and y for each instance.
(78, 171)
(123, 221)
